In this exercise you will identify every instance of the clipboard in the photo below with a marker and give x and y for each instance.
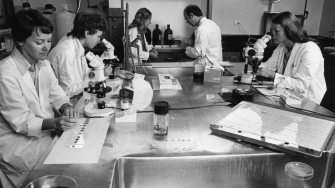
(279, 128)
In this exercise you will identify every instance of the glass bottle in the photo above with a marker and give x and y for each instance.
(124, 101)
(156, 36)
(168, 35)
(161, 117)
(147, 35)
(199, 69)
(280, 86)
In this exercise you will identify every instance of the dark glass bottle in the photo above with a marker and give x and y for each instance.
(168, 36)
(148, 35)
(156, 36)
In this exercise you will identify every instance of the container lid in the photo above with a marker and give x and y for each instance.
(299, 170)
(161, 107)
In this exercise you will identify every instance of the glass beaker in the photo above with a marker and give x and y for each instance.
(161, 117)
(280, 87)
(199, 69)
(297, 172)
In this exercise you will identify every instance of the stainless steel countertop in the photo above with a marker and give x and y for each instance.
(190, 155)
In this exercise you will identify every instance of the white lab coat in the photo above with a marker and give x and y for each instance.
(70, 65)
(207, 42)
(304, 72)
(144, 55)
(22, 111)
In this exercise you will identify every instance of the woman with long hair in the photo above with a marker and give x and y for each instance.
(136, 35)
(297, 58)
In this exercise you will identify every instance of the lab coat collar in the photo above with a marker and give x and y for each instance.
(79, 46)
(21, 63)
(202, 20)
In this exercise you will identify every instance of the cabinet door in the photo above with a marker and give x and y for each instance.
(328, 100)
(231, 56)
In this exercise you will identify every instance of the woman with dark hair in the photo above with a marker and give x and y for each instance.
(138, 27)
(29, 95)
(297, 58)
(68, 56)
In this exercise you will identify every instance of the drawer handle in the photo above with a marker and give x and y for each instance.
(169, 58)
(233, 57)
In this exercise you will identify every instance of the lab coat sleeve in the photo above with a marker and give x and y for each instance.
(65, 74)
(56, 93)
(132, 36)
(272, 62)
(15, 109)
(200, 45)
(306, 68)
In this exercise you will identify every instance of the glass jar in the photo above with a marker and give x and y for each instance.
(280, 87)
(161, 117)
(199, 69)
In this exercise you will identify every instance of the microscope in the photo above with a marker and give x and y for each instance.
(98, 89)
(253, 56)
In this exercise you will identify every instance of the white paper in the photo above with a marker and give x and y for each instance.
(82, 144)
(142, 94)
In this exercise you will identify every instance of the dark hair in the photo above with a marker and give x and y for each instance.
(194, 9)
(87, 21)
(292, 27)
(27, 21)
(140, 17)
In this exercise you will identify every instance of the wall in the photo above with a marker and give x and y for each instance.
(250, 13)
(163, 12)
(224, 13)
(327, 19)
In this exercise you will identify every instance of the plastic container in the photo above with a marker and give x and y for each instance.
(297, 173)
(161, 117)
(64, 21)
(53, 181)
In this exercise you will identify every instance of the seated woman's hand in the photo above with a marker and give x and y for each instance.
(70, 112)
(153, 54)
(65, 123)
(124, 74)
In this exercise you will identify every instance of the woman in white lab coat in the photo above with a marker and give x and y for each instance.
(297, 58)
(29, 97)
(136, 35)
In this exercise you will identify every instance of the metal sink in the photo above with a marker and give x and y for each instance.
(236, 171)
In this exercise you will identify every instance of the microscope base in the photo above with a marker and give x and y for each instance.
(246, 78)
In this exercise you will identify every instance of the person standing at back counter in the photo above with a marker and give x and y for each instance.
(29, 95)
(207, 36)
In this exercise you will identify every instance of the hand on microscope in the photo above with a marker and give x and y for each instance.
(124, 74)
